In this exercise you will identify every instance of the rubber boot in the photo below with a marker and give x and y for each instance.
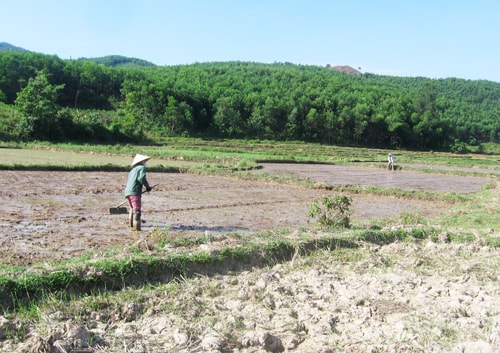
(137, 220)
(131, 218)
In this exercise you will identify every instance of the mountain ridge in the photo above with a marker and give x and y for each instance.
(108, 60)
(4, 46)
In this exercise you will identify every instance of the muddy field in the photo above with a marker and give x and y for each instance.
(58, 215)
(401, 297)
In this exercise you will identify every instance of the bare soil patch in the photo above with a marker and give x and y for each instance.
(401, 297)
(48, 215)
(399, 179)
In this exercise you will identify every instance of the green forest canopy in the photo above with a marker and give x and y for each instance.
(120, 99)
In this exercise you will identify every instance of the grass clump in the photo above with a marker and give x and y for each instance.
(332, 212)
(477, 218)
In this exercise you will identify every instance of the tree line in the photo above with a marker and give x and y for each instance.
(91, 101)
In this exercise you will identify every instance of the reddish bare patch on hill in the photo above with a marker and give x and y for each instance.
(346, 69)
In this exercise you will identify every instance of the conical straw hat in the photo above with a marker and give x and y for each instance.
(139, 158)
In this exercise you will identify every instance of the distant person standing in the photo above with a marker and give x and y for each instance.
(133, 191)
(391, 161)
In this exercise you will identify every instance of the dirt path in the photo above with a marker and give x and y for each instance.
(58, 215)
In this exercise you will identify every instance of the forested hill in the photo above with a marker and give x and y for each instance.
(249, 100)
(7, 46)
(109, 60)
(119, 61)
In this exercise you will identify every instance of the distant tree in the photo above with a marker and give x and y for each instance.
(292, 126)
(177, 118)
(37, 103)
(256, 124)
(227, 118)
(425, 100)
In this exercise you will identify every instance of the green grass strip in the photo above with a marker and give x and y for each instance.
(18, 290)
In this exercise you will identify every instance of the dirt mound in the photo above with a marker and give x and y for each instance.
(345, 69)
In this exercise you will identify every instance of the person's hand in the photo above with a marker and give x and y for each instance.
(148, 188)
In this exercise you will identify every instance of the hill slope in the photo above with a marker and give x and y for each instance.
(119, 61)
(279, 101)
(9, 47)
(108, 60)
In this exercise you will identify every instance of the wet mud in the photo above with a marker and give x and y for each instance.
(47, 215)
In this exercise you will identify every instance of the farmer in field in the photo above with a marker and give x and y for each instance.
(133, 191)
(391, 160)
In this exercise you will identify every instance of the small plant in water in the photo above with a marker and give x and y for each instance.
(332, 211)
(160, 234)
(411, 218)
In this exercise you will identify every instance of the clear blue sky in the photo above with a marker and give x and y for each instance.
(430, 38)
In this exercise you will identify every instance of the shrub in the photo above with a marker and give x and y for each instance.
(332, 211)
